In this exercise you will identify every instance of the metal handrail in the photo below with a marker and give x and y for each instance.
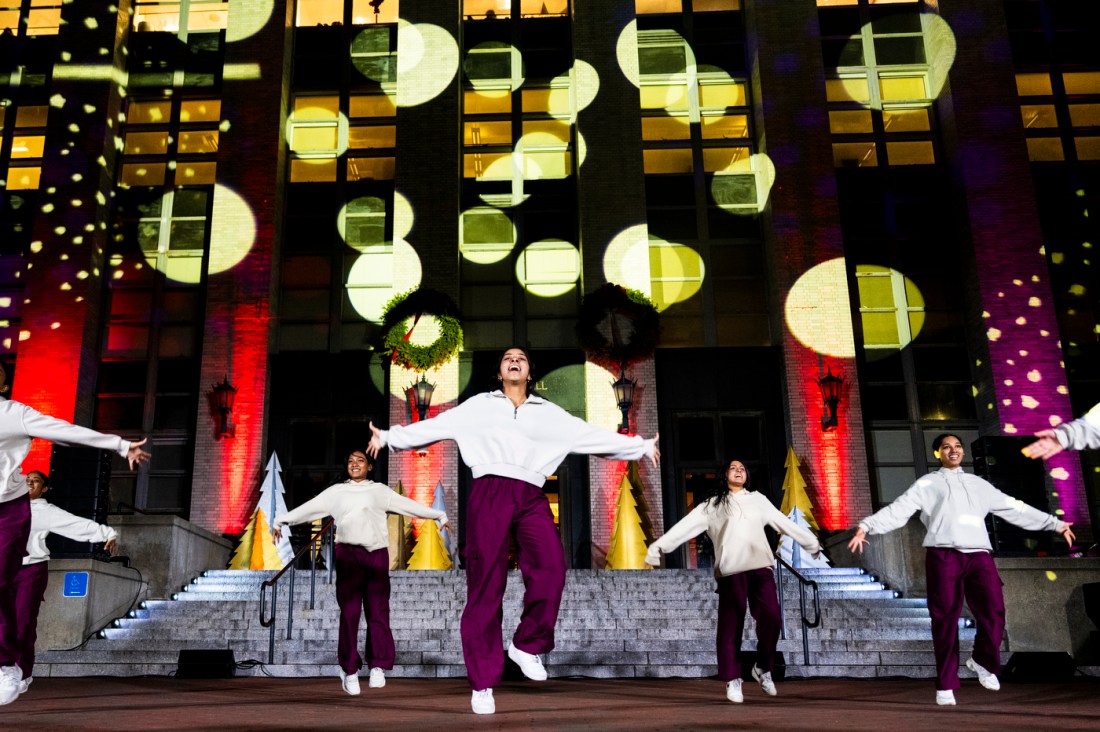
(269, 622)
(780, 565)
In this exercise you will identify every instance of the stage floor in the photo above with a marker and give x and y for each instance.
(268, 704)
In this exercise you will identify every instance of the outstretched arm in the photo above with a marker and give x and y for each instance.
(36, 424)
(686, 528)
(1076, 435)
(592, 440)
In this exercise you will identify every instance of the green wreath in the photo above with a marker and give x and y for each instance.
(414, 304)
(623, 348)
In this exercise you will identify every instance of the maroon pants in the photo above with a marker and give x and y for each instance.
(953, 576)
(756, 588)
(27, 591)
(363, 587)
(15, 529)
(497, 509)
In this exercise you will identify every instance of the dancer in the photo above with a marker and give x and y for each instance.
(19, 424)
(29, 587)
(362, 560)
(958, 564)
(1076, 435)
(734, 519)
(512, 440)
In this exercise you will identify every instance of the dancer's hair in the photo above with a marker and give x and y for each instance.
(721, 493)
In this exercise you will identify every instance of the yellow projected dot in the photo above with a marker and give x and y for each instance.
(486, 235)
(1029, 402)
(232, 234)
(744, 185)
(1034, 376)
(817, 310)
(549, 268)
(1051, 575)
(378, 274)
(676, 272)
(626, 50)
(246, 24)
(626, 259)
(489, 62)
(427, 61)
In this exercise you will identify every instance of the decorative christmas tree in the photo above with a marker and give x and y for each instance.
(431, 549)
(448, 536)
(402, 539)
(257, 548)
(797, 506)
(631, 533)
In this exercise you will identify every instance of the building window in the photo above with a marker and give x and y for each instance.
(188, 15)
(23, 144)
(30, 17)
(504, 9)
(364, 133)
(336, 12)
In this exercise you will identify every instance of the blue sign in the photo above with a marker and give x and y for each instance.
(76, 584)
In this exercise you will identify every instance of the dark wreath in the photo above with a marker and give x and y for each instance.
(617, 326)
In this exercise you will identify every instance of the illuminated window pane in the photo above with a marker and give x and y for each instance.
(906, 120)
(666, 128)
(1084, 115)
(31, 116)
(911, 153)
(157, 16)
(198, 143)
(1039, 115)
(23, 179)
(711, 6)
(836, 3)
(487, 166)
(646, 7)
(487, 8)
(727, 127)
(664, 96)
(1082, 82)
(1088, 148)
(549, 268)
(898, 88)
(717, 159)
(196, 174)
(880, 329)
(731, 94)
(1045, 148)
(536, 100)
(200, 110)
(314, 139)
(374, 105)
(487, 133)
(847, 90)
(143, 174)
(370, 168)
(487, 101)
(185, 268)
(187, 235)
(43, 22)
(319, 12)
(676, 274)
(488, 235)
(372, 137)
(149, 113)
(667, 161)
(3, 115)
(662, 59)
(307, 109)
(208, 17)
(545, 132)
(547, 165)
(1033, 85)
(362, 13)
(535, 8)
(9, 19)
(854, 154)
(27, 146)
(146, 143)
(313, 171)
(850, 122)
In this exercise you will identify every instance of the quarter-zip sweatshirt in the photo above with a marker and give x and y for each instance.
(1081, 433)
(736, 528)
(527, 442)
(20, 423)
(953, 505)
(48, 519)
(360, 512)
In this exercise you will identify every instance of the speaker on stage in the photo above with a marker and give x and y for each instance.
(214, 663)
(1039, 667)
(80, 479)
(999, 460)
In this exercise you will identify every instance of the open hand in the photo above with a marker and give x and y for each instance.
(135, 455)
(110, 546)
(375, 443)
(1047, 446)
(1067, 533)
(277, 532)
(858, 542)
(656, 456)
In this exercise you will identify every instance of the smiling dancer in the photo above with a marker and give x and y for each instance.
(512, 440)
(19, 424)
(734, 519)
(362, 560)
(953, 506)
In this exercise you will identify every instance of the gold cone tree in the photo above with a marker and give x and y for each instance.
(402, 539)
(798, 508)
(431, 550)
(632, 531)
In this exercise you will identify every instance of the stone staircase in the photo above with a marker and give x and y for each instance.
(656, 623)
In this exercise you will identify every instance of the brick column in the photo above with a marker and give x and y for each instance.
(251, 163)
(803, 231)
(1018, 370)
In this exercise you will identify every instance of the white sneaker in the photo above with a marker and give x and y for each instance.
(733, 691)
(10, 676)
(377, 678)
(765, 679)
(529, 663)
(25, 684)
(350, 682)
(945, 698)
(482, 702)
(985, 678)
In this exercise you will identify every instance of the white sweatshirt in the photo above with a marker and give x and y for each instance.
(360, 511)
(49, 519)
(736, 529)
(953, 505)
(19, 423)
(527, 442)
(1081, 433)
